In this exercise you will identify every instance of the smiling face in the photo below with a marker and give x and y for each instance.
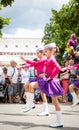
(48, 53)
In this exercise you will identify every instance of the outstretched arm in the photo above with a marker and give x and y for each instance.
(22, 58)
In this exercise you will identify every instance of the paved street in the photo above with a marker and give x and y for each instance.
(12, 117)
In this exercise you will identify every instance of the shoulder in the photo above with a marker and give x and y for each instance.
(10, 68)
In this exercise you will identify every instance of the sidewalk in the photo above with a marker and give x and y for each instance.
(12, 117)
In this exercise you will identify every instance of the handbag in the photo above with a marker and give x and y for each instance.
(7, 79)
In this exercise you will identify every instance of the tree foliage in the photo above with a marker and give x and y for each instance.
(62, 24)
(5, 3)
(4, 21)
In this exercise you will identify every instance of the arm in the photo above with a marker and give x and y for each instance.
(32, 63)
(9, 76)
(73, 67)
(10, 79)
(22, 58)
(35, 63)
(56, 69)
(62, 74)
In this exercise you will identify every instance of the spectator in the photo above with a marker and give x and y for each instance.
(3, 75)
(3, 83)
(24, 76)
(64, 77)
(13, 77)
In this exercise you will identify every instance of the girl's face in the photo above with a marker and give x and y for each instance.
(72, 62)
(39, 55)
(54, 51)
(66, 63)
(48, 53)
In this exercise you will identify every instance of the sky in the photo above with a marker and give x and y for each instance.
(29, 17)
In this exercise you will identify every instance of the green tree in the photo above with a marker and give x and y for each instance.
(4, 21)
(62, 24)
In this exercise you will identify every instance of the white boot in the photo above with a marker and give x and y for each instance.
(75, 99)
(30, 103)
(27, 95)
(45, 110)
(59, 122)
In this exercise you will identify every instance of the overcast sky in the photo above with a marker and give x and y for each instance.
(28, 17)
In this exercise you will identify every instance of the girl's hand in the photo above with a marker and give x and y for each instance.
(48, 79)
(24, 96)
(42, 75)
(22, 58)
(63, 69)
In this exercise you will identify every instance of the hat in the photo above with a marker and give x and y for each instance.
(13, 61)
(50, 45)
(40, 49)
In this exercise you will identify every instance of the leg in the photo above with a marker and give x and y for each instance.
(26, 94)
(26, 90)
(45, 105)
(43, 96)
(10, 93)
(72, 91)
(32, 86)
(58, 122)
(30, 96)
(56, 103)
(15, 90)
(65, 84)
(26, 87)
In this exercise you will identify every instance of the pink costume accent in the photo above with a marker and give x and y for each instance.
(26, 66)
(53, 67)
(76, 66)
(39, 65)
(49, 66)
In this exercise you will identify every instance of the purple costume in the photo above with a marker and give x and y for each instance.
(51, 87)
(76, 83)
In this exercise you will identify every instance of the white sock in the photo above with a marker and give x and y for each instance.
(31, 97)
(74, 96)
(45, 107)
(59, 116)
(27, 97)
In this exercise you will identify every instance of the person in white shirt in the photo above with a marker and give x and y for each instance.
(13, 77)
(24, 77)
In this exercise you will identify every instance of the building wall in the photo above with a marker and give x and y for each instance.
(14, 47)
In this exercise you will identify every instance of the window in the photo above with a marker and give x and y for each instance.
(26, 46)
(36, 46)
(24, 53)
(6, 46)
(16, 46)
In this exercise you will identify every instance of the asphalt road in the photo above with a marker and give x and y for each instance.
(12, 117)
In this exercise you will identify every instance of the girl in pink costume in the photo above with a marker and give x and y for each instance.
(49, 84)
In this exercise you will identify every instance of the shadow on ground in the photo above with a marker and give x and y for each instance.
(27, 125)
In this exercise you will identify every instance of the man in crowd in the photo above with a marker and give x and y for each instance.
(13, 77)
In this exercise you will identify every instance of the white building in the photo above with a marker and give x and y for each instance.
(13, 48)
